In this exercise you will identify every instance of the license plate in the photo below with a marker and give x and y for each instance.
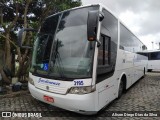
(48, 99)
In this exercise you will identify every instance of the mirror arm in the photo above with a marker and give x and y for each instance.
(98, 43)
(101, 16)
(20, 37)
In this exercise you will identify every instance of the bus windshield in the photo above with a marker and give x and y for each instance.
(61, 49)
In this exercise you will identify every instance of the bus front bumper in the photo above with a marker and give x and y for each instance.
(84, 104)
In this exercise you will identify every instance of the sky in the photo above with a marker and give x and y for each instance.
(142, 17)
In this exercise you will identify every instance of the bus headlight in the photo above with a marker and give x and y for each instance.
(30, 80)
(82, 90)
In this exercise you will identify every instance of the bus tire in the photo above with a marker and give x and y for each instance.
(144, 73)
(121, 89)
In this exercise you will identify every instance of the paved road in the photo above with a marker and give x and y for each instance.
(144, 95)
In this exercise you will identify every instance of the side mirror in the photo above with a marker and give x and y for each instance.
(92, 24)
(20, 35)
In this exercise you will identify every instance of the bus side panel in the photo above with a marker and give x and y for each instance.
(132, 65)
(107, 90)
(125, 65)
(140, 64)
(154, 64)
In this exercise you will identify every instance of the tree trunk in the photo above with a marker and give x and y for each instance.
(22, 66)
(5, 78)
(8, 57)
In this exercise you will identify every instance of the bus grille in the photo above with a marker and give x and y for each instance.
(50, 88)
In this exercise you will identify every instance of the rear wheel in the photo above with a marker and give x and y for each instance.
(144, 73)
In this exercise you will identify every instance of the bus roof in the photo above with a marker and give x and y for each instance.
(103, 6)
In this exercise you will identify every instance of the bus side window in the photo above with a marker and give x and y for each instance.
(104, 57)
(104, 51)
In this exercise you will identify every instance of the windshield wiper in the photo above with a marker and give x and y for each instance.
(58, 62)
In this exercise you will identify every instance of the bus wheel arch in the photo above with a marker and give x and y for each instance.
(122, 85)
(149, 70)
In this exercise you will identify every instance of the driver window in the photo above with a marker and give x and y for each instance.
(104, 56)
(104, 51)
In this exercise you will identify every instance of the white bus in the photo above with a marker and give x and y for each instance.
(84, 58)
(153, 59)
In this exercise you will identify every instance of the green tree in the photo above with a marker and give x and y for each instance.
(17, 14)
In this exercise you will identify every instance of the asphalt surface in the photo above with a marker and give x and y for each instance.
(142, 99)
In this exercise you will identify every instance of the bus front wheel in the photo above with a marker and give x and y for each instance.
(121, 88)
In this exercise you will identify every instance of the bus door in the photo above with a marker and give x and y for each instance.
(104, 71)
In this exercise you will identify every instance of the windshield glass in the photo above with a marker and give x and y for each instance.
(66, 54)
(43, 45)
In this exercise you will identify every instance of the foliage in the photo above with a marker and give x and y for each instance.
(17, 14)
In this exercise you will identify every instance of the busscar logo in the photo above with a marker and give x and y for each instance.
(48, 82)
